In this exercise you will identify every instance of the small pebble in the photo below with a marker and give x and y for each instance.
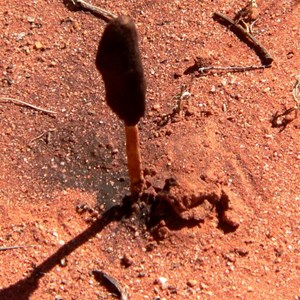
(38, 46)
(185, 95)
(20, 36)
(126, 261)
(115, 151)
(63, 262)
(162, 282)
(169, 132)
(192, 282)
(30, 19)
(203, 286)
(52, 64)
(156, 107)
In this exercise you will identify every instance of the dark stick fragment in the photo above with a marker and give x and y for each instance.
(246, 37)
(283, 119)
(119, 62)
(111, 283)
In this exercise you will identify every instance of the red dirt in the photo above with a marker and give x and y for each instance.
(222, 139)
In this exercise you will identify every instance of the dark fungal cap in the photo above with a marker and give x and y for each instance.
(119, 62)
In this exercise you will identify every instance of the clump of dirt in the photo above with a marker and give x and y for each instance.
(191, 202)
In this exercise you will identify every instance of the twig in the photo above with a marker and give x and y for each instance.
(232, 68)
(295, 92)
(105, 14)
(179, 97)
(247, 37)
(47, 133)
(16, 101)
(14, 247)
(283, 119)
(37, 138)
(101, 276)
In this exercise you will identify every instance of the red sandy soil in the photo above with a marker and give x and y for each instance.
(247, 247)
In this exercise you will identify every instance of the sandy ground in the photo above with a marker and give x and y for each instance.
(228, 230)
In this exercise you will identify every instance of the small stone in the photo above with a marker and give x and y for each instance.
(126, 261)
(162, 282)
(63, 262)
(229, 256)
(26, 50)
(20, 36)
(290, 55)
(31, 19)
(163, 232)
(109, 250)
(224, 81)
(242, 252)
(76, 25)
(192, 282)
(38, 46)
(151, 246)
(186, 95)
(156, 107)
(148, 172)
(52, 64)
(115, 151)
(169, 132)
(203, 286)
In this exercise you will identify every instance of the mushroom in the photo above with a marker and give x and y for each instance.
(119, 62)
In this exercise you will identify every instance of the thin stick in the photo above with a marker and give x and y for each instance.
(105, 14)
(37, 138)
(99, 275)
(47, 133)
(233, 68)
(283, 119)
(14, 247)
(295, 91)
(134, 160)
(247, 37)
(16, 101)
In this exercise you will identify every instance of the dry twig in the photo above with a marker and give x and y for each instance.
(47, 134)
(105, 14)
(295, 92)
(290, 114)
(14, 247)
(233, 68)
(107, 279)
(20, 102)
(247, 37)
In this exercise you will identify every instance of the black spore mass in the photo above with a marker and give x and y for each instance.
(119, 62)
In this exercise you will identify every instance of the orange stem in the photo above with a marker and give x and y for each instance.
(134, 160)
